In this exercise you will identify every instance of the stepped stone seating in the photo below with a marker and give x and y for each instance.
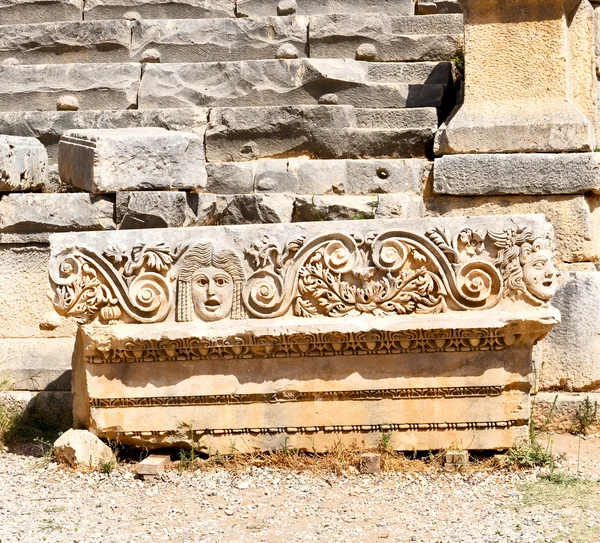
(253, 337)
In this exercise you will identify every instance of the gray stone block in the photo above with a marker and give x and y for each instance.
(210, 40)
(430, 73)
(23, 164)
(571, 352)
(381, 37)
(433, 7)
(67, 42)
(383, 176)
(154, 210)
(258, 209)
(36, 363)
(113, 160)
(254, 8)
(14, 12)
(159, 9)
(326, 132)
(277, 82)
(395, 118)
(531, 173)
(96, 86)
(33, 212)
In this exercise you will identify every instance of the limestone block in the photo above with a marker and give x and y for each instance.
(159, 9)
(562, 407)
(393, 38)
(433, 7)
(15, 12)
(230, 177)
(395, 118)
(258, 209)
(521, 93)
(210, 40)
(96, 86)
(370, 463)
(574, 218)
(326, 132)
(432, 73)
(23, 164)
(82, 448)
(254, 8)
(152, 465)
(109, 160)
(153, 210)
(533, 173)
(37, 363)
(26, 309)
(571, 352)
(382, 176)
(67, 42)
(32, 212)
(276, 82)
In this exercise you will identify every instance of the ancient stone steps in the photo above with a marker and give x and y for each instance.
(398, 39)
(253, 8)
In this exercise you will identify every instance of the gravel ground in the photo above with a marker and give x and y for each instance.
(43, 501)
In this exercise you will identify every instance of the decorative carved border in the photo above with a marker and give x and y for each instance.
(295, 396)
(247, 346)
(364, 428)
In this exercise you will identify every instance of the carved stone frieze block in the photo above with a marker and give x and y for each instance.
(308, 334)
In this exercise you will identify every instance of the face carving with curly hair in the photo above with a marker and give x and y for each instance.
(539, 274)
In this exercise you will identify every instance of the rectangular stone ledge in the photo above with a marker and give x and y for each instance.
(23, 164)
(384, 38)
(159, 9)
(112, 160)
(557, 411)
(434, 7)
(93, 86)
(211, 40)
(278, 83)
(15, 12)
(536, 173)
(574, 218)
(67, 42)
(384, 333)
(262, 8)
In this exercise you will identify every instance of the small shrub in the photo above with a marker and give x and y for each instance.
(585, 416)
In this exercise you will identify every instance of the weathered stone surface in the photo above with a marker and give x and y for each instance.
(571, 352)
(521, 93)
(558, 411)
(154, 210)
(533, 173)
(67, 42)
(393, 38)
(277, 82)
(258, 209)
(415, 73)
(575, 218)
(109, 160)
(23, 164)
(159, 9)
(433, 7)
(97, 86)
(37, 363)
(316, 176)
(13, 12)
(210, 40)
(54, 408)
(26, 309)
(375, 300)
(253, 8)
(82, 448)
(31, 212)
(370, 463)
(239, 134)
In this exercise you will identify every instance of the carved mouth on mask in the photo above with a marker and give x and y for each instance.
(548, 283)
(212, 305)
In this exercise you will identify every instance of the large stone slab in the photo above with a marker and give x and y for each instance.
(277, 82)
(109, 160)
(253, 8)
(23, 164)
(571, 353)
(575, 218)
(159, 9)
(423, 329)
(383, 37)
(525, 173)
(152, 209)
(210, 40)
(67, 42)
(14, 12)
(95, 86)
(325, 132)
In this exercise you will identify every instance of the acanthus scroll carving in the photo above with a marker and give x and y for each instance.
(395, 272)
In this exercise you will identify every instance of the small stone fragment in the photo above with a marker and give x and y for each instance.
(67, 102)
(370, 463)
(329, 99)
(456, 460)
(150, 56)
(287, 7)
(152, 466)
(366, 51)
(132, 16)
(10, 62)
(23, 164)
(287, 50)
(82, 448)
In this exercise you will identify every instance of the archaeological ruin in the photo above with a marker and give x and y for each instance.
(249, 224)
